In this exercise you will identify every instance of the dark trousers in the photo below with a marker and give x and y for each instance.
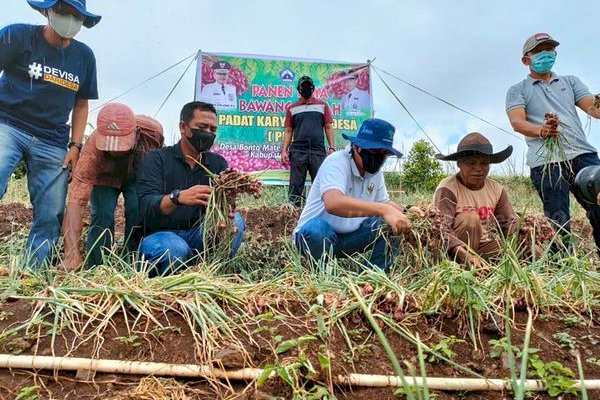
(300, 163)
(553, 186)
(102, 225)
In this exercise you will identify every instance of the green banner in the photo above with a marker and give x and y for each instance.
(252, 93)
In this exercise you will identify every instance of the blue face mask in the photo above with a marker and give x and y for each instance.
(543, 61)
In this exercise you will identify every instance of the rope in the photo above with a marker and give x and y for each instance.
(175, 86)
(406, 109)
(447, 102)
(376, 69)
(142, 83)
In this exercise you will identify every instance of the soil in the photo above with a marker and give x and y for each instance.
(14, 217)
(271, 223)
(176, 345)
(17, 217)
(266, 223)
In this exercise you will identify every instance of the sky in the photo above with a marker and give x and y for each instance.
(467, 52)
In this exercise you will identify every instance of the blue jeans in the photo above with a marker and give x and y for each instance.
(553, 186)
(316, 237)
(169, 251)
(102, 226)
(47, 184)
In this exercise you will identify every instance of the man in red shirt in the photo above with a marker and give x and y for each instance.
(303, 143)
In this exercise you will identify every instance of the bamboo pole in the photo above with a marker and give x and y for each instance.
(125, 367)
(248, 374)
(450, 384)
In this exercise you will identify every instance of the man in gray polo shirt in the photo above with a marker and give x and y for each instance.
(348, 202)
(527, 104)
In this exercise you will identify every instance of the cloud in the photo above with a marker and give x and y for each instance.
(466, 52)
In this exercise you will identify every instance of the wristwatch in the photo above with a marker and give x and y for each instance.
(331, 148)
(76, 144)
(174, 197)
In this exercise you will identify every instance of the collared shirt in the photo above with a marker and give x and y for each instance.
(165, 170)
(223, 97)
(559, 95)
(490, 203)
(339, 172)
(41, 83)
(356, 102)
(307, 118)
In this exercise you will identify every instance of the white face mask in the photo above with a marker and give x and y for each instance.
(66, 26)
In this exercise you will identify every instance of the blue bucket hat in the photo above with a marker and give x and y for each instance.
(375, 134)
(89, 19)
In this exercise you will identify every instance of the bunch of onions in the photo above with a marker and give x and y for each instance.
(219, 228)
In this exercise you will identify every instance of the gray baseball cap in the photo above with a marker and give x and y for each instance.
(537, 39)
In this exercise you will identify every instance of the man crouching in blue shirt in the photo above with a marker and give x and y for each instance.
(173, 190)
(348, 203)
(46, 75)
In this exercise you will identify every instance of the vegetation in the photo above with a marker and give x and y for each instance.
(21, 170)
(312, 322)
(421, 172)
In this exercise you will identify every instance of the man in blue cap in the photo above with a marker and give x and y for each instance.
(348, 203)
(47, 76)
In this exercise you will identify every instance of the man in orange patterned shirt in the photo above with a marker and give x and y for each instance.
(107, 168)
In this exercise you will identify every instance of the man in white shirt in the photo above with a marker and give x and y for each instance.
(356, 101)
(220, 94)
(348, 204)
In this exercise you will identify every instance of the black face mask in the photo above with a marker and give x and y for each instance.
(201, 140)
(306, 91)
(372, 162)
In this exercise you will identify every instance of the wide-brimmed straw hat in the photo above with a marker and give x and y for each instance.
(475, 143)
(89, 19)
